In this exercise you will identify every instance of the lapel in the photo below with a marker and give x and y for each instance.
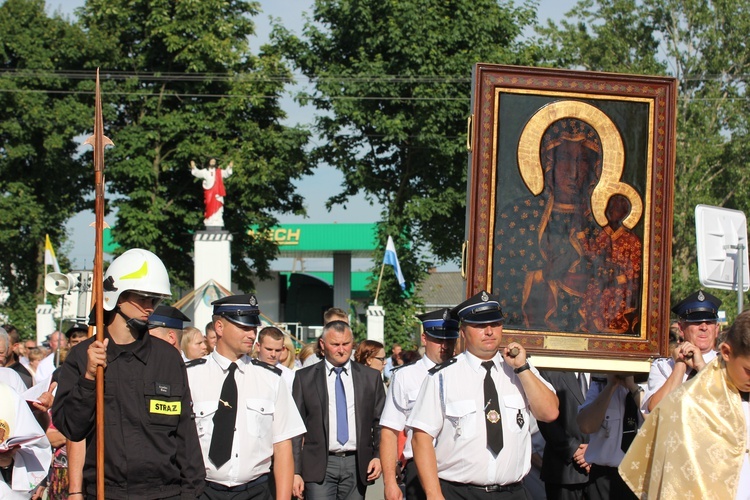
(571, 381)
(356, 382)
(322, 388)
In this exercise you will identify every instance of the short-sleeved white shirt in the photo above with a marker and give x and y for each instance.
(266, 415)
(660, 371)
(402, 394)
(450, 408)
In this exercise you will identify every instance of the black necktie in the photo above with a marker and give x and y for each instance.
(224, 421)
(493, 421)
(629, 422)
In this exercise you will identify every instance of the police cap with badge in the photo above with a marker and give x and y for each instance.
(440, 324)
(481, 308)
(167, 317)
(698, 307)
(242, 310)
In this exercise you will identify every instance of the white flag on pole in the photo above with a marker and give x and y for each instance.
(391, 259)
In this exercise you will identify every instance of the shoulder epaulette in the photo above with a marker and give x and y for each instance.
(442, 365)
(277, 371)
(195, 362)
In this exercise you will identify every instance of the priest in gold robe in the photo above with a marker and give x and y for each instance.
(695, 442)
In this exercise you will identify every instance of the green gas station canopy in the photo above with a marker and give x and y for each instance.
(309, 240)
(324, 240)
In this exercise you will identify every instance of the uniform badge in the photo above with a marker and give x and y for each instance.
(701, 297)
(485, 297)
(493, 416)
(445, 315)
(519, 419)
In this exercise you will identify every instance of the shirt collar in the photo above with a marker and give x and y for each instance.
(225, 362)
(476, 364)
(140, 350)
(427, 362)
(329, 367)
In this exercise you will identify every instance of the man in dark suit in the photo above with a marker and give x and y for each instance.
(563, 478)
(340, 403)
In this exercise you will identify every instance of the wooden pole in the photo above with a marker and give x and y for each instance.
(98, 140)
(377, 291)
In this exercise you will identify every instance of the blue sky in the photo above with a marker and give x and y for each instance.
(80, 249)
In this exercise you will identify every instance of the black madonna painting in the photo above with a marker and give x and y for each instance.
(570, 191)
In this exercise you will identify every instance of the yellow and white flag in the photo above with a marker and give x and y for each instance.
(49, 255)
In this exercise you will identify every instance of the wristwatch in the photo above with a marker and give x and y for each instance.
(521, 368)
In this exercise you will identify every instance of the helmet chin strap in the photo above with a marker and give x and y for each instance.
(137, 325)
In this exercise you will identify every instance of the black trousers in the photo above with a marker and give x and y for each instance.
(606, 484)
(259, 492)
(412, 487)
(566, 491)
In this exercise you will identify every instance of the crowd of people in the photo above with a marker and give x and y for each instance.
(236, 412)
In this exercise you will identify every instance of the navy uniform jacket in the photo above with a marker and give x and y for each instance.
(151, 447)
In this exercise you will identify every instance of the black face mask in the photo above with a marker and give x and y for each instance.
(137, 325)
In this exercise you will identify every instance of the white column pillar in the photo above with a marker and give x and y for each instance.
(376, 324)
(212, 257)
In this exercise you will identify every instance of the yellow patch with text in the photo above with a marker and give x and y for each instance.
(165, 407)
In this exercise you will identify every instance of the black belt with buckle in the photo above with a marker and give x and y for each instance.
(341, 454)
(240, 487)
(490, 488)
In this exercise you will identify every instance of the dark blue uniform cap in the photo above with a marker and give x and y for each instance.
(440, 324)
(77, 327)
(698, 307)
(241, 310)
(481, 308)
(167, 317)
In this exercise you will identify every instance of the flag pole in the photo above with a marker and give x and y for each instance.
(377, 292)
(98, 140)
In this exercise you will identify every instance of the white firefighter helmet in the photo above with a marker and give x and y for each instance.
(136, 270)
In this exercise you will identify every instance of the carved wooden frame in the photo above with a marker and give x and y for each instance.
(511, 108)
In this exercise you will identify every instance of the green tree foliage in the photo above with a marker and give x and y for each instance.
(181, 84)
(703, 44)
(42, 182)
(392, 84)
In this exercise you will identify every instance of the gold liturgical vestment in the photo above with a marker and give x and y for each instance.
(692, 445)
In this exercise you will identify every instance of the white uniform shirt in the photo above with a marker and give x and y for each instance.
(450, 408)
(660, 371)
(32, 460)
(266, 415)
(346, 377)
(402, 394)
(605, 444)
(46, 367)
(287, 375)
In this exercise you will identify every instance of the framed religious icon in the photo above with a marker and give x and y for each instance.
(569, 211)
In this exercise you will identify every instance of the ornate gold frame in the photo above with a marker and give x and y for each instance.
(582, 95)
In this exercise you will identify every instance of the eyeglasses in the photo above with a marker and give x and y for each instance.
(382, 360)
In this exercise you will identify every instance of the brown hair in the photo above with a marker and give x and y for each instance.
(738, 335)
(366, 350)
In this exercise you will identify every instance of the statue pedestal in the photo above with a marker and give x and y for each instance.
(213, 261)
(45, 322)
(376, 324)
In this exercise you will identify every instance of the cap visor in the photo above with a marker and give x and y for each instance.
(483, 317)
